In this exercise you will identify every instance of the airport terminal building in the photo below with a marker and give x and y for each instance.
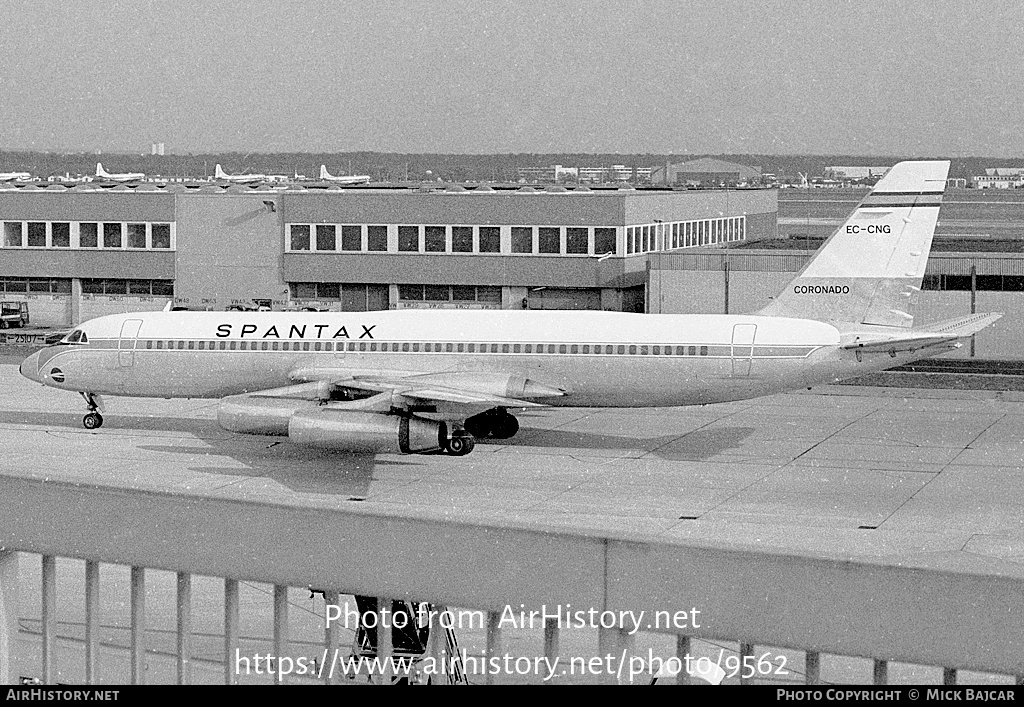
(87, 251)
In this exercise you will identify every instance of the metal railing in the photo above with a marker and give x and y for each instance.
(956, 620)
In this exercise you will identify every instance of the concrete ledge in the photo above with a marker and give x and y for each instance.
(964, 618)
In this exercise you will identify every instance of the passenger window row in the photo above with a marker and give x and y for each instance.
(431, 347)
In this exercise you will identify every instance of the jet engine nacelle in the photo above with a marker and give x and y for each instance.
(260, 415)
(366, 431)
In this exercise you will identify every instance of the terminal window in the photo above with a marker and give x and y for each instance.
(377, 238)
(450, 293)
(488, 294)
(136, 235)
(548, 240)
(112, 235)
(88, 235)
(353, 298)
(36, 234)
(13, 237)
(462, 239)
(137, 287)
(328, 290)
(962, 283)
(434, 239)
(60, 235)
(463, 293)
(21, 285)
(351, 238)
(115, 287)
(299, 237)
(490, 239)
(436, 293)
(604, 241)
(412, 293)
(522, 239)
(409, 238)
(576, 241)
(325, 237)
(161, 236)
(304, 290)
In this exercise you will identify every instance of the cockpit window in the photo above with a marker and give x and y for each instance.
(76, 337)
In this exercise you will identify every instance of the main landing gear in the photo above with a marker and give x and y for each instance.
(460, 444)
(493, 424)
(93, 418)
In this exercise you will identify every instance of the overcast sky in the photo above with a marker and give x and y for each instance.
(942, 77)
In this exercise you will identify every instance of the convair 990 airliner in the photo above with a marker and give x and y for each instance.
(425, 381)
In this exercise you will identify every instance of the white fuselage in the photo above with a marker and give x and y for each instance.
(602, 359)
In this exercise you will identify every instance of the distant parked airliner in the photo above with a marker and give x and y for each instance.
(118, 176)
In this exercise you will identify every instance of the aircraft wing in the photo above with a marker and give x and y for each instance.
(453, 389)
(937, 334)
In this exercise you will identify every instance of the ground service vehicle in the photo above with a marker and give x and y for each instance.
(13, 314)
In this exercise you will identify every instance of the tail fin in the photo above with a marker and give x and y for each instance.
(323, 172)
(100, 172)
(218, 173)
(870, 270)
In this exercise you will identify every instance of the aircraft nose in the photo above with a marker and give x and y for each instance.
(30, 367)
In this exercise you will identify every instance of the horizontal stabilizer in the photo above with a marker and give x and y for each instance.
(937, 334)
(965, 326)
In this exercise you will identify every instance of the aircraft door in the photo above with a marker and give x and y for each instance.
(126, 342)
(742, 348)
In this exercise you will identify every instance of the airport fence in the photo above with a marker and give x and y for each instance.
(953, 619)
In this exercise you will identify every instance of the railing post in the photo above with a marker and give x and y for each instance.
(49, 618)
(280, 629)
(881, 673)
(9, 615)
(230, 630)
(609, 650)
(812, 668)
(184, 643)
(332, 636)
(682, 653)
(385, 642)
(493, 643)
(138, 625)
(436, 645)
(746, 650)
(551, 641)
(627, 646)
(92, 621)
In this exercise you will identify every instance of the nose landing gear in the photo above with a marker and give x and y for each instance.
(93, 419)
